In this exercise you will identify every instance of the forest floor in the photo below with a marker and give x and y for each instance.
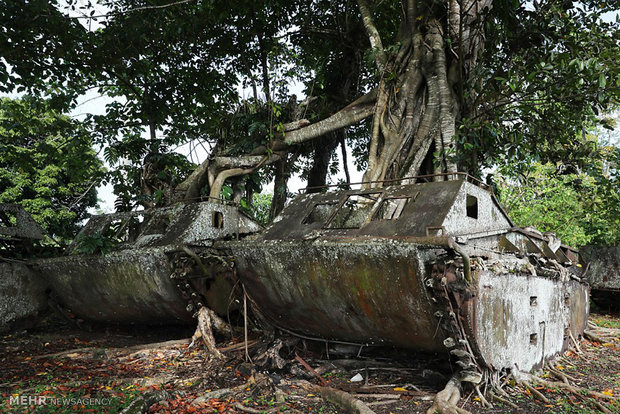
(58, 368)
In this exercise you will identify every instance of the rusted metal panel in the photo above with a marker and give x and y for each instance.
(22, 296)
(130, 286)
(428, 205)
(441, 269)
(16, 223)
(364, 292)
(603, 274)
(520, 320)
(137, 282)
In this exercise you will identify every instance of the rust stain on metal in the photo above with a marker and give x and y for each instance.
(602, 264)
(431, 266)
(162, 270)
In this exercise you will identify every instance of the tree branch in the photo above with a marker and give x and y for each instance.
(343, 118)
(373, 35)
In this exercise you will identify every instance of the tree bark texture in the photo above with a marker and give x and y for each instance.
(419, 100)
(417, 104)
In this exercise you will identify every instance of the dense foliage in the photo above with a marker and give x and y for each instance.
(506, 82)
(47, 164)
(581, 205)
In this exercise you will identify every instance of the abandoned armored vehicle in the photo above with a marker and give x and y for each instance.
(154, 266)
(434, 266)
(22, 292)
(603, 274)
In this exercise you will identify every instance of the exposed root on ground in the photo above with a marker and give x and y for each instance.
(527, 381)
(601, 334)
(207, 322)
(503, 400)
(142, 404)
(447, 399)
(348, 403)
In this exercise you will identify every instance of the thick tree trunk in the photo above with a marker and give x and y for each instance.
(420, 95)
(323, 150)
(419, 100)
(280, 189)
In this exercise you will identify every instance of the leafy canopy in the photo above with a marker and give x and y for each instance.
(47, 164)
(582, 206)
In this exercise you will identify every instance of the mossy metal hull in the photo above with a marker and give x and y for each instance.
(411, 295)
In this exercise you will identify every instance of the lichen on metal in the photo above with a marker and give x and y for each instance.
(22, 296)
(137, 281)
(16, 223)
(603, 274)
(433, 266)
(22, 292)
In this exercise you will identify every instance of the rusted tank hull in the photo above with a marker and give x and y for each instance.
(130, 286)
(603, 274)
(345, 291)
(22, 296)
(386, 293)
(127, 287)
(160, 271)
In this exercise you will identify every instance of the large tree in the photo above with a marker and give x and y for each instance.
(418, 86)
(47, 164)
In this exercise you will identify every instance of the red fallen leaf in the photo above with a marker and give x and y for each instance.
(62, 388)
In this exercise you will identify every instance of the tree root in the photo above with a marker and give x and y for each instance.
(344, 400)
(250, 410)
(565, 385)
(207, 320)
(537, 394)
(574, 389)
(447, 399)
(504, 401)
(483, 400)
(593, 337)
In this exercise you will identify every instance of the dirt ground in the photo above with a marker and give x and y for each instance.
(58, 368)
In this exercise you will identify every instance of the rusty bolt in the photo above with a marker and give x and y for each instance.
(449, 342)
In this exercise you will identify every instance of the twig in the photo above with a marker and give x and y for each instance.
(535, 392)
(239, 346)
(504, 401)
(311, 370)
(575, 342)
(245, 325)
